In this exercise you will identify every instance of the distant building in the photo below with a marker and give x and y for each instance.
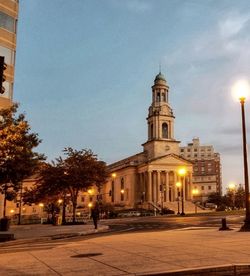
(8, 28)
(206, 167)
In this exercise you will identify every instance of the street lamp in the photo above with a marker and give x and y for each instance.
(178, 185)
(241, 91)
(232, 188)
(195, 192)
(182, 172)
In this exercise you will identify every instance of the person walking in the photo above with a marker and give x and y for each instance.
(95, 215)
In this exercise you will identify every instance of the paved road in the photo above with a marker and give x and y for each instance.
(169, 223)
(126, 225)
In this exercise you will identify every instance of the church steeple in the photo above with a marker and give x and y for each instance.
(160, 119)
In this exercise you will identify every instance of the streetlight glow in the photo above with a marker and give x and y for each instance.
(182, 171)
(90, 191)
(241, 90)
(90, 205)
(59, 201)
(41, 204)
(231, 186)
(195, 192)
(113, 175)
(178, 184)
(122, 191)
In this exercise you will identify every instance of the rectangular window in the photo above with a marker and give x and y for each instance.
(9, 55)
(209, 187)
(7, 22)
(82, 199)
(8, 93)
(202, 187)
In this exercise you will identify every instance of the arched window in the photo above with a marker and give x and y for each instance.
(163, 97)
(158, 97)
(164, 130)
(151, 131)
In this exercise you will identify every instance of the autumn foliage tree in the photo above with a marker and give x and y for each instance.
(17, 158)
(78, 171)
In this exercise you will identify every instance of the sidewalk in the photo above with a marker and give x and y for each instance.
(147, 253)
(48, 231)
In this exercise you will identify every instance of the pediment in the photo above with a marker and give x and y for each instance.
(170, 159)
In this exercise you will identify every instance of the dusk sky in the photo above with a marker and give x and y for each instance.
(84, 71)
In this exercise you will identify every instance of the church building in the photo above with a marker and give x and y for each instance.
(148, 179)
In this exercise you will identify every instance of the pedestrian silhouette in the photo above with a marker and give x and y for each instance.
(95, 215)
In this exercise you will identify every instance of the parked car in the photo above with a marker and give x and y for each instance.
(129, 214)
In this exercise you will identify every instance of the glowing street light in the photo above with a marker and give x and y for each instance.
(241, 91)
(182, 172)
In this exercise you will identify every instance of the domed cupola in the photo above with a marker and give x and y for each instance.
(160, 78)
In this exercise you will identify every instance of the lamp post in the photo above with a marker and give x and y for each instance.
(241, 90)
(178, 185)
(195, 192)
(232, 188)
(182, 172)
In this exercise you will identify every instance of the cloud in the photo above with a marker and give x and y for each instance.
(232, 25)
(138, 5)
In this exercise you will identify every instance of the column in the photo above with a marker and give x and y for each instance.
(158, 197)
(174, 187)
(149, 195)
(154, 184)
(167, 185)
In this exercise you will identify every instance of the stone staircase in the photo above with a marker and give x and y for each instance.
(189, 207)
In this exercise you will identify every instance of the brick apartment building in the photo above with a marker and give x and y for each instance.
(206, 167)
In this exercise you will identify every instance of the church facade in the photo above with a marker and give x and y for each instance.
(149, 178)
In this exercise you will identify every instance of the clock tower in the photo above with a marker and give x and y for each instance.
(160, 122)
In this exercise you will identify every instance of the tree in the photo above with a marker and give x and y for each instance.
(17, 158)
(240, 197)
(79, 171)
(215, 198)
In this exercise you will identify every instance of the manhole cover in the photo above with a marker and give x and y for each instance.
(86, 255)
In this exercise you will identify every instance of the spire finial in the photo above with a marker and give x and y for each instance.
(160, 67)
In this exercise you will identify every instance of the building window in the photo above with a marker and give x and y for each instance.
(9, 55)
(164, 130)
(202, 187)
(163, 97)
(182, 150)
(158, 97)
(7, 22)
(112, 191)
(209, 187)
(82, 199)
(195, 149)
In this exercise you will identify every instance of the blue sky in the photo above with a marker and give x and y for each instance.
(84, 71)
